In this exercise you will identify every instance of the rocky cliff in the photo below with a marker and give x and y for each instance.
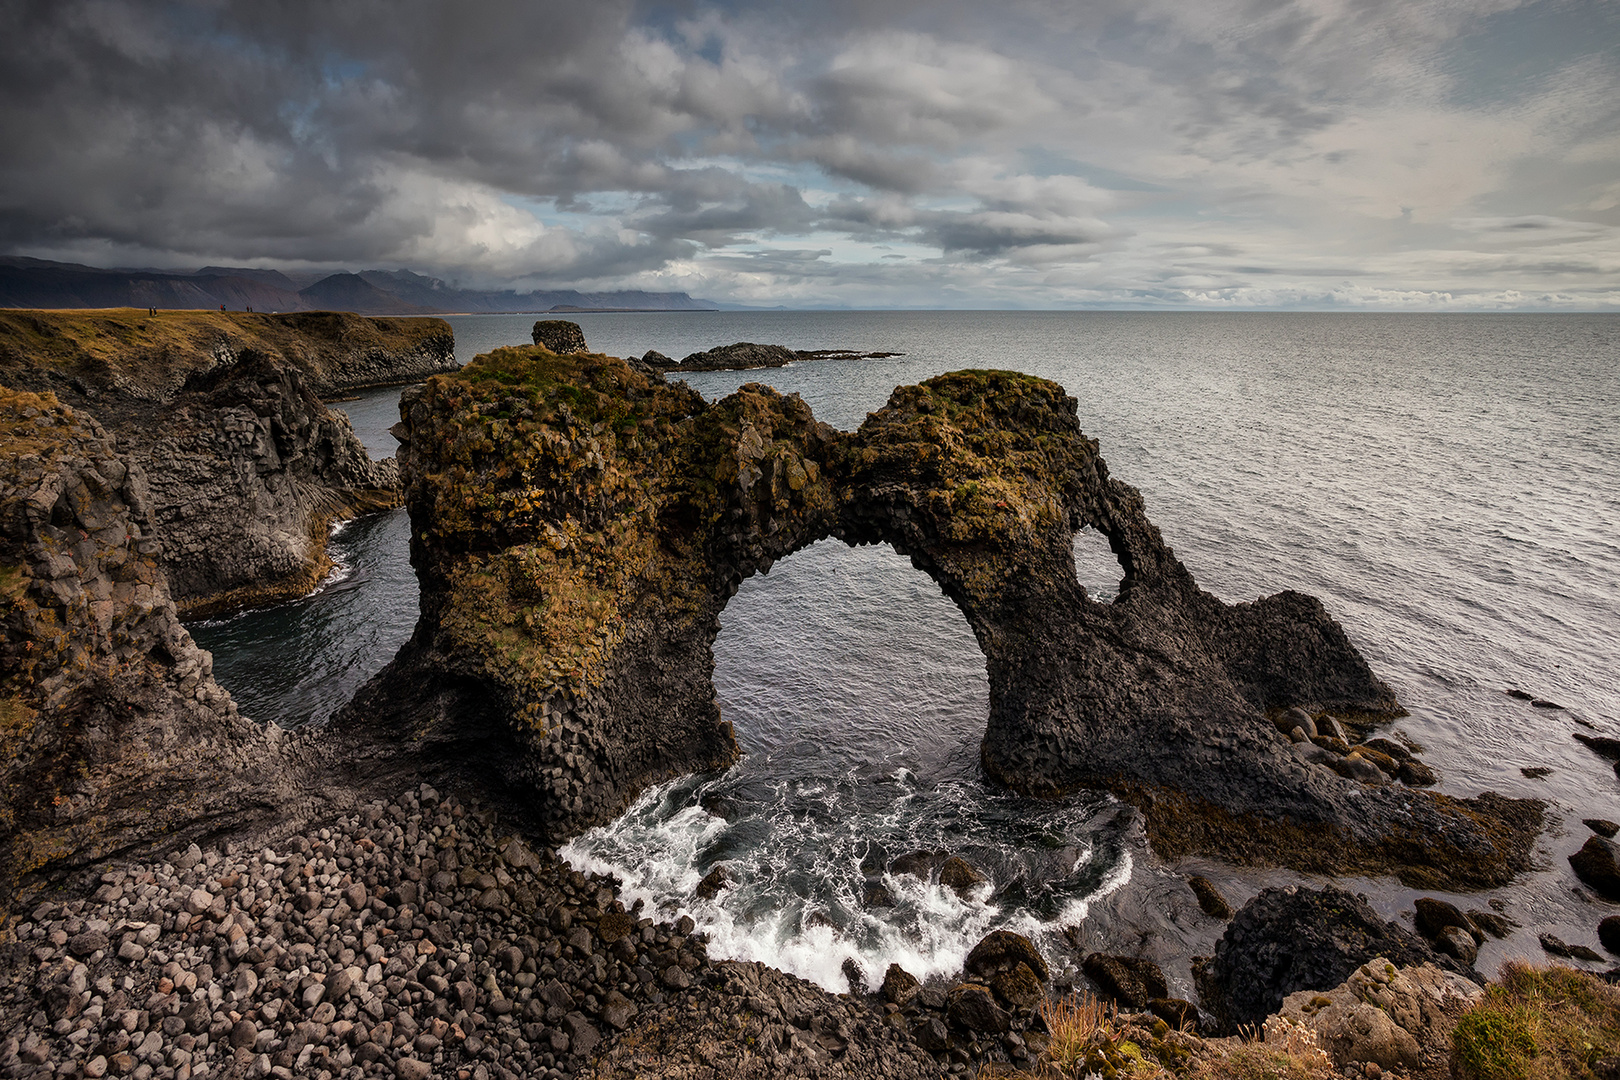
(113, 734)
(579, 524)
(247, 469)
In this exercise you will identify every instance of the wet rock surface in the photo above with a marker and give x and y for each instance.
(540, 655)
(246, 468)
(1290, 939)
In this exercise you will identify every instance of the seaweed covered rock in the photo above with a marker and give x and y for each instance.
(116, 737)
(1290, 939)
(247, 469)
(579, 523)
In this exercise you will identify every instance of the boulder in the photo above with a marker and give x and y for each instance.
(1210, 900)
(1433, 916)
(1019, 989)
(559, 336)
(1129, 980)
(959, 875)
(1290, 939)
(1003, 950)
(713, 882)
(1180, 1014)
(1602, 826)
(1457, 942)
(1595, 865)
(899, 986)
(1609, 933)
(1382, 1014)
(971, 1007)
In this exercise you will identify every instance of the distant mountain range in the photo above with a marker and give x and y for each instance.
(36, 283)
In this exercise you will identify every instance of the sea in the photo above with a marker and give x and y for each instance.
(1447, 484)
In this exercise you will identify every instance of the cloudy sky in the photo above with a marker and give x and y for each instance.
(864, 153)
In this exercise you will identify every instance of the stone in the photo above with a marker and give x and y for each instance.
(712, 883)
(1492, 923)
(1290, 719)
(244, 1033)
(899, 986)
(615, 926)
(559, 336)
(96, 1067)
(877, 895)
(1416, 774)
(1210, 900)
(582, 1034)
(1609, 933)
(1595, 865)
(86, 942)
(931, 1034)
(1019, 989)
(1434, 915)
(969, 1006)
(1003, 950)
(198, 901)
(355, 896)
(407, 1068)
(958, 875)
(1458, 942)
(340, 982)
(1129, 980)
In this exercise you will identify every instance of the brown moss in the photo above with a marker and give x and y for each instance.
(103, 344)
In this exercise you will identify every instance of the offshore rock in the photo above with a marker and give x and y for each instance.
(114, 737)
(246, 468)
(559, 336)
(578, 524)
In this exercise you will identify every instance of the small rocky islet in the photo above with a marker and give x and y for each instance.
(189, 894)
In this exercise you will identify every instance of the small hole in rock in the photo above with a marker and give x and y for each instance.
(1096, 567)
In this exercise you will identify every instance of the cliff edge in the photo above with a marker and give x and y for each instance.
(246, 467)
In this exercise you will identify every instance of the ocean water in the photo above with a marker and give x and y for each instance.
(1449, 485)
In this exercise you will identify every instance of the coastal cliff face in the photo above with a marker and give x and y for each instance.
(246, 467)
(113, 734)
(578, 524)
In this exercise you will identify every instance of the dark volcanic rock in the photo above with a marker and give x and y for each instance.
(1291, 939)
(1602, 826)
(713, 882)
(1003, 950)
(577, 527)
(1129, 980)
(1210, 900)
(559, 336)
(1609, 933)
(113, 734)
(1595, 864)
(1433, 916)
(746, 354)
(971, 1007)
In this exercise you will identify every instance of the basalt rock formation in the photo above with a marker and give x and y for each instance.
(578, 524)
(247, 469)
(113, 734)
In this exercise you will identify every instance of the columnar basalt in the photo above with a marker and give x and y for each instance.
(579, 523)
(113, 734)
(247, 468)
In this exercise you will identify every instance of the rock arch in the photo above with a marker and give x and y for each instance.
(579, 523)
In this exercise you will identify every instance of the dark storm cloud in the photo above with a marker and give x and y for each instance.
(1240, 141)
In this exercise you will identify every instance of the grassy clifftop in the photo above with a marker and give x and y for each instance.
(129, 346)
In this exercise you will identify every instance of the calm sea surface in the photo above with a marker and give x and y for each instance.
(1449, 485)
